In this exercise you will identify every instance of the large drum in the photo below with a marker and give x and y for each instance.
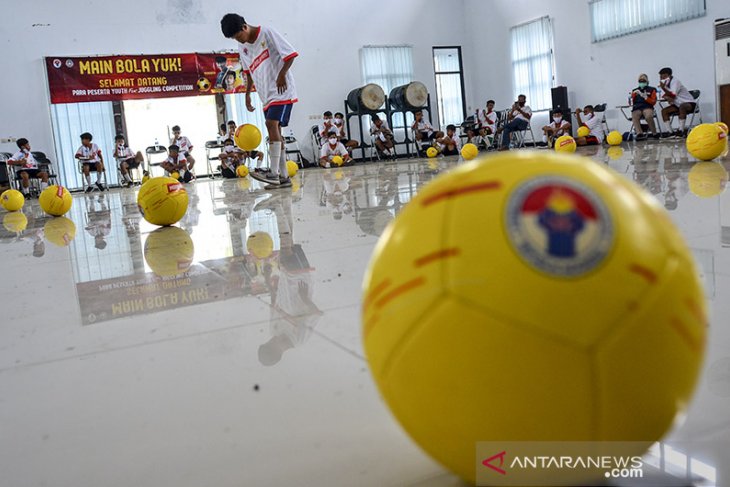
(409, 97)
(369, 98)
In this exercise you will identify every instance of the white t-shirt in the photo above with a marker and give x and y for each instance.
(676, 88)
(24, 155)
(324, 130)
(329, 152)
(263, 59)
(180, 159)
(595, 126)
(92, 153)
(424, 126)
(561, 127)
(456, 139)
(517, 115)
(383, 128)
(183, 143)
(487, 119)
(122, 153)
(228, 161)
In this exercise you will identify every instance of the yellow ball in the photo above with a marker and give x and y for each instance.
(175, 175)
(584, 131)
(707, 179)
(260, 245)
(337, 161)
(15, 222)
(615, 153)
(469, 151)
(706, 141)
(12, 200)
(162, 201)
(169, 251)
(723, 126)
(247, 137)
(292, 168)
(60, 231)
(565, 143)
(582, 304)
(242, 171)
(55, 200)
(295, 186)
(614, 138)
(244, 184)
(432, 152)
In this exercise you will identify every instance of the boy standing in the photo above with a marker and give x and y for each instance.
(28, 167)
(267, 58)
(90, 156)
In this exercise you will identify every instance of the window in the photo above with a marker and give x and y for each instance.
(388, 67)
(616, 18)
(449, 85)
(533, 65)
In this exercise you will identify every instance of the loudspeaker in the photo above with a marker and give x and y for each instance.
(560, 97)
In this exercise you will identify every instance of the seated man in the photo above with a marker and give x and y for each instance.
(28, 167)
(486, 121)
(185, 146)
(518, 120)
(339, 125)
(126, 159)
(450, 144)
(588, 118)
(422, 130)
(681, 102)
(332, 148)
(176, 162)
(384, 140)
(643, 99)
(557, 128)
(230, 158)
(90, 156)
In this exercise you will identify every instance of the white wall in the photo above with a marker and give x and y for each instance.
(327, 35)
(593, 73)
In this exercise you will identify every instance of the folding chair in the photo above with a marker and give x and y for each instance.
(291, 145)
(5, 179)
(210, 156)
(520, 136)
(696, 95)
(152, 152)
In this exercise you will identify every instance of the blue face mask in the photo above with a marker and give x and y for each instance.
(643, 84)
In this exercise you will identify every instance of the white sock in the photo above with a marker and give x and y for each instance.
(26, 190)
(88, 179)
(681, 124)
(275, 154)
(128, 177)
(544, 139)
(282, 163)
(98, 177)
(44, 185)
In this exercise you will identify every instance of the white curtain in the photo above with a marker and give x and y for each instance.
(388, 67)
(532, 62)
(616, 18)
(70, 120)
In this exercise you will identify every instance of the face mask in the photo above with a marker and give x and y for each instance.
(327, 120)
(643, 84)
(557, 119)
(338, 121)
(333, 140)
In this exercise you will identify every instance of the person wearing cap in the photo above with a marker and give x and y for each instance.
(643, 99)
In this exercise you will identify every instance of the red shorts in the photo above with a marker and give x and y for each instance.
(592, 140)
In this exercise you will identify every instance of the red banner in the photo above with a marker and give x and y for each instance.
(112, 78)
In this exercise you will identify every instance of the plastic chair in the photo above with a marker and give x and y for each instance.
(152, 152)
(210, 147)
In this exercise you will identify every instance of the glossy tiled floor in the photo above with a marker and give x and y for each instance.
(246, 371)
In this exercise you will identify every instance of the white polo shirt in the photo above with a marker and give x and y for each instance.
(91, 153)
(677, 89)
(24, 155)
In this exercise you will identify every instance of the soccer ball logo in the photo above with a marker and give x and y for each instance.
(203, 84)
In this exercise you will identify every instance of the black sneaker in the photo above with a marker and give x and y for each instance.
(89, 189)
(640, 137)
(656, 136)
(27, 196)
(100, 186)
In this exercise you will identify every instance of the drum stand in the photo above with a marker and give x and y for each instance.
(407, 141)
(362, 112)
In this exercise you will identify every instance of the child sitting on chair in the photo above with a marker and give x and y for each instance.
(384, 140)
(28, 167)
(90, 156)
(176, 162)
(127, 159)
(451, 143)
(332, 148)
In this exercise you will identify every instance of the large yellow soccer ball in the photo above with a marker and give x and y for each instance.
(55, 200)
(15, 222)
(338, 161)
(247, 137)
(162, 201)
(12, 200)
(292, 168)
(532, 297)
(60, 231)
(432, 152)
(706, 141)
(614, 138)
(584, 131)
(169, 251)
(469, 151)
(242, 171)
(565, 143)
(707, 179)
(260, 245)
